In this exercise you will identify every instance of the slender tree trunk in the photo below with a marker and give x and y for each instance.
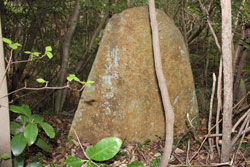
(169, 114)
(228, 79)
(4, 110)
(60, 98)
(239, 72)
(31, 36)
(90, 45)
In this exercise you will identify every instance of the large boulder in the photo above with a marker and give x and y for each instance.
(125, 101)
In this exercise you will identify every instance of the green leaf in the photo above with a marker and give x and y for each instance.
(140, 146)
(30, 133)
(105, 149)
(48, 129)
(135, 163)
(18, 144)
(36, 118)
(155, 163)
(40, 80)
(24, 109)
(4, 156)
(157, 154)
(18, 161)
(36, 53)
(71, 77)
(48, 48)
(91, 164)
(6, 40)
(88, 83)
(74, 162)
(35, 164)
(17, 44)
(24, 119)
(42, 144)
(27, 52)
(49, 54)
(27, 109)
(77, 79)
(14, 125)
(12, 46)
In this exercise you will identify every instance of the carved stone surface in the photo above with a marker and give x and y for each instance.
(124, 101)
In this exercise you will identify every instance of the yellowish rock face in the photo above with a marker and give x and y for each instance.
(124, 101)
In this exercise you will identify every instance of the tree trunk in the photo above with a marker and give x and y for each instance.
(66, 46)
(228, 79)
(4, 110)
(239, 72)
(169, 114)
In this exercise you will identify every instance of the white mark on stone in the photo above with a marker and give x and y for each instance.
(181, 50)
(109, 95)
(176, 99)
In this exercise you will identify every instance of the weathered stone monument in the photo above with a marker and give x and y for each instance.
(124, 101)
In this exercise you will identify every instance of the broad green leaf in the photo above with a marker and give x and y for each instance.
(48, 129)
(71, 77)
(30, 133)
(135, 163)
(24, 109)
(49, 54)
(40, 80)
(27, 52)
(27, 109)
(74, 162)
(18, 144)
(24, 119)
(14, 125)
(18, 161)
(14, 46)
(36, 118)
(36, 53)
(6, 40)
(48, 48)
(17, 44)
(91, 164)
(42, 144)
(77, 79)
(35, 164)
(4, 156)
(105, 149)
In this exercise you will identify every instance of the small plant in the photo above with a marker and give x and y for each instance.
(29, 135)
(104, 150)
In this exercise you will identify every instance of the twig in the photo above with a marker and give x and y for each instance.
(219, 104)
(8, 66)
(188, 149)
(241, 140)
(209, 132)
(239, 121)
(241, 128)
(210, 140)
(241, 100)
(43, 88)
(210, 26)
(80, 143)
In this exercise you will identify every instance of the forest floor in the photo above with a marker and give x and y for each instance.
(187, 152)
